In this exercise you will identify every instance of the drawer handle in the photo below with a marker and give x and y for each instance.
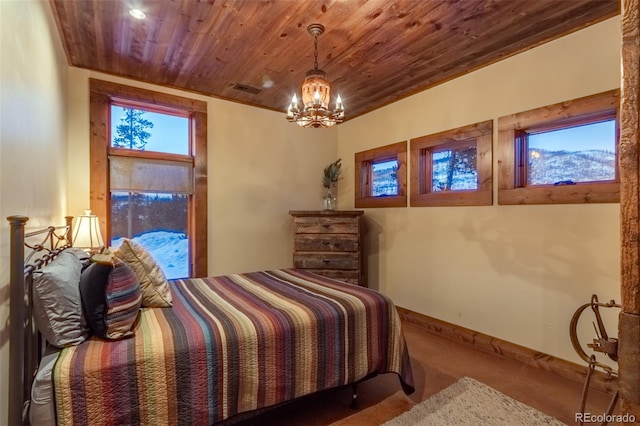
(325, 261)
(325, 243)
(326, 225)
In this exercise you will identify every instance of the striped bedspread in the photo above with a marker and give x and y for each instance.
(232, 344)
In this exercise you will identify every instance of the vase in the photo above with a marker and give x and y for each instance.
(329, 200)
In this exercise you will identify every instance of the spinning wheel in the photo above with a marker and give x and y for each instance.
(602, 343)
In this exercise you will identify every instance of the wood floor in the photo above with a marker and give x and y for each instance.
(437, 363)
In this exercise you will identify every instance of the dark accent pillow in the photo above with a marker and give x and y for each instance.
(110, 299)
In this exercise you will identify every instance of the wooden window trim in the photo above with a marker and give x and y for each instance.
(421, 150)
(136, 153)
(178, 111)
(363, 163)
(511, 188)
(102, 95)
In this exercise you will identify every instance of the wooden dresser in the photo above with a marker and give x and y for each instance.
(329, 243)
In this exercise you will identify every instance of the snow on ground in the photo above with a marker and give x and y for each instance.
(169, 249)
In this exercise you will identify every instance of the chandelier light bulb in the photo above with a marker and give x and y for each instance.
(137, 13)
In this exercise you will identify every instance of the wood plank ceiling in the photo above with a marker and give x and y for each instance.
(374, 51)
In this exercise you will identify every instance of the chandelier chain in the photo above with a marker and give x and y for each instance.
(315, 52)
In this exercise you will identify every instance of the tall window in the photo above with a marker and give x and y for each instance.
(151, 182)
(149, 159)
(561, 153)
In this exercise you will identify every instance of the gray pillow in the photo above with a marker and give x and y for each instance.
(83, 256)
(56, 301)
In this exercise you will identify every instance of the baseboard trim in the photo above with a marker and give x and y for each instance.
(496, 346)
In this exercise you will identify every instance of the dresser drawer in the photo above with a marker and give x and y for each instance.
(328, 260)
(326, 225)
(352, 277)
(326, 242)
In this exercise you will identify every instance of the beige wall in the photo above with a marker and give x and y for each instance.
(514, 272)
(32, 137)
(260, 166)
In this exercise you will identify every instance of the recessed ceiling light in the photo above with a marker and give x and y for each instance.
(137, 13)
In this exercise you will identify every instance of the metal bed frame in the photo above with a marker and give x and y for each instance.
(26, 343)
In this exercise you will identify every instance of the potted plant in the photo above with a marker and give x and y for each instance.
(330, 178)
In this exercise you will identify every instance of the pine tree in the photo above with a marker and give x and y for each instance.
(461, 162)
(131, 132)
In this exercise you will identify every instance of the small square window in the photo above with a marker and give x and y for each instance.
(562, 153)
(453, 168)
(381, 176)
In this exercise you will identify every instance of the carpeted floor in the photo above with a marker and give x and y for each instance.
(469, 402)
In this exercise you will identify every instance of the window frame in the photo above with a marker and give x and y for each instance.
(422, 149)
(512, 188)
(158, 109)
(103, 95)
(363, 166)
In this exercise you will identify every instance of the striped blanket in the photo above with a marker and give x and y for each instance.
(232, 344)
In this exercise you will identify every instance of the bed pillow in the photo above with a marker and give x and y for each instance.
(82, 256)
(56, 301)
(153, 283)
(110, 298)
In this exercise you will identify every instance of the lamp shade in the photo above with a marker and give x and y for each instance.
(86, 232)
(316, 89)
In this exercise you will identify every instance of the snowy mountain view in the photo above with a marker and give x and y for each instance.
(384, 178)
(548, 167)
(169, 249)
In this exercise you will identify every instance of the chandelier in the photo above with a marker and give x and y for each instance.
(316, 93)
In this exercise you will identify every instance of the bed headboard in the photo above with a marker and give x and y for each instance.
(28, 253)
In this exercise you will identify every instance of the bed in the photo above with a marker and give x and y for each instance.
(228, 346)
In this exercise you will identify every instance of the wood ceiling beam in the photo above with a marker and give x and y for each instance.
(629, 319)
